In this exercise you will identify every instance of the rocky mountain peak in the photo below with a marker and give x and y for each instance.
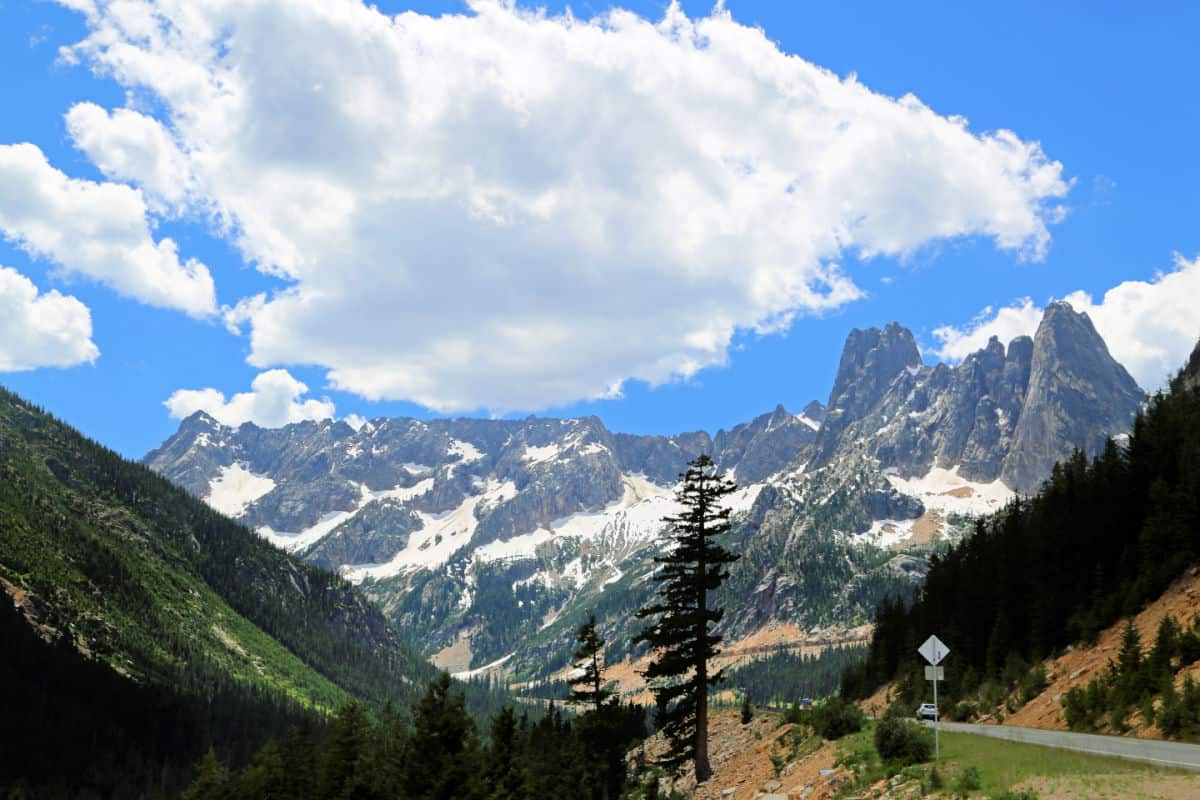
(1078, 395)
(815, 411)
(871, 358)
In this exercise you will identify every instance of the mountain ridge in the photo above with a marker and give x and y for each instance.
(499, 533)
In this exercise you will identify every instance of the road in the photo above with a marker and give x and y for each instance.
(1149, 751)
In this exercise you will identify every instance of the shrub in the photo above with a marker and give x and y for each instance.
(963, 712)
(1013, 794)
(1033, 683)
(903, 742)
(969, 780)
(1189, 648)
(836, 718)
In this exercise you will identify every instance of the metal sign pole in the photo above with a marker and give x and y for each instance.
(937, 722)
(934, 650)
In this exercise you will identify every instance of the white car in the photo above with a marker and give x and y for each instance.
(927, 711)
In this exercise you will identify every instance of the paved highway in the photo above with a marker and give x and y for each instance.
(1150, 751)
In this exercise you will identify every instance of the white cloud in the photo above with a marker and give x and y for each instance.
(133, 147)
(509, 210)
(272, 402)
(1019, 319)
(1149, 326)
(47, 330)
(98, 230)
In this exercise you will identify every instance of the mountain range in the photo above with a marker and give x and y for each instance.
(487, 540)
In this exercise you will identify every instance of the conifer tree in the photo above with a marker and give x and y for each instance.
(444, 742)
(588, 687)
(212, 780)
(351, 737)
(503, 775)
(681, 630)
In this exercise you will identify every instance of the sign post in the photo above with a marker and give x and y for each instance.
(934, 651)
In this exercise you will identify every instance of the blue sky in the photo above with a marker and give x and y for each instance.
(1107, 92)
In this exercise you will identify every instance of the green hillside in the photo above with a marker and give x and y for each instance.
(148, 578)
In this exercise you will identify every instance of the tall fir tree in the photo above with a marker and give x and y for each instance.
(444, 745)
(587, 688)
(681, 632)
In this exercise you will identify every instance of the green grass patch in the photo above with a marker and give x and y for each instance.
(1002, 765)
(1005, 764)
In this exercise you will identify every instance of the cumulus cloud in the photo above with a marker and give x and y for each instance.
(512, 210)
(41, 330)
(1007, 323)
(1149, 326)
(129, 146)
(99, 230)
(272, 402)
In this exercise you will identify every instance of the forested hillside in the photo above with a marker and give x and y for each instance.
(74, 727)
(180, 613)
(1100, 539)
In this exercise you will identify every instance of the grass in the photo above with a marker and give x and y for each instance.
(1006, 765)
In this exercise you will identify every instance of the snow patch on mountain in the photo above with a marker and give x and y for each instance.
(516, 548)
(540, 455)
(471, 673)
(469, 452)
(235, 488)
(886, 533)
(328, 523)
(946, 491)
(440, 536)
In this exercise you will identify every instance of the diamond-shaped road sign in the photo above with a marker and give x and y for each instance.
(934, 650)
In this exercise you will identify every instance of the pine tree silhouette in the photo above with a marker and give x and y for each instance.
(681, 632)
(588, 688)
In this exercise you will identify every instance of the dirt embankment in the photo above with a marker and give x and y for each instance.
(742, 766)
(1078, 666)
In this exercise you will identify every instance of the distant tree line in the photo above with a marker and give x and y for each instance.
(784, 677)
(433, 751)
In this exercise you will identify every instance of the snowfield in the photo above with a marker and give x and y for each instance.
(944, 490)
(235, 489)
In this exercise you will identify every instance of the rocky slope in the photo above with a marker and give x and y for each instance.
(489, 538)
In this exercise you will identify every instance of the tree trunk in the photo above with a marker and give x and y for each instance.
(703, 770)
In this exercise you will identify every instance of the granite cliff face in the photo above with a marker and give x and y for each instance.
(488, 539)
(1002, 413)
(1078, 396)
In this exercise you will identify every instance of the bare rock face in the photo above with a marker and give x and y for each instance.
(765, 445)
(1000, 413)
(1078, 396)
(871, 359)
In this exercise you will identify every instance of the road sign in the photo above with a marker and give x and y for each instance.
(934, 650)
